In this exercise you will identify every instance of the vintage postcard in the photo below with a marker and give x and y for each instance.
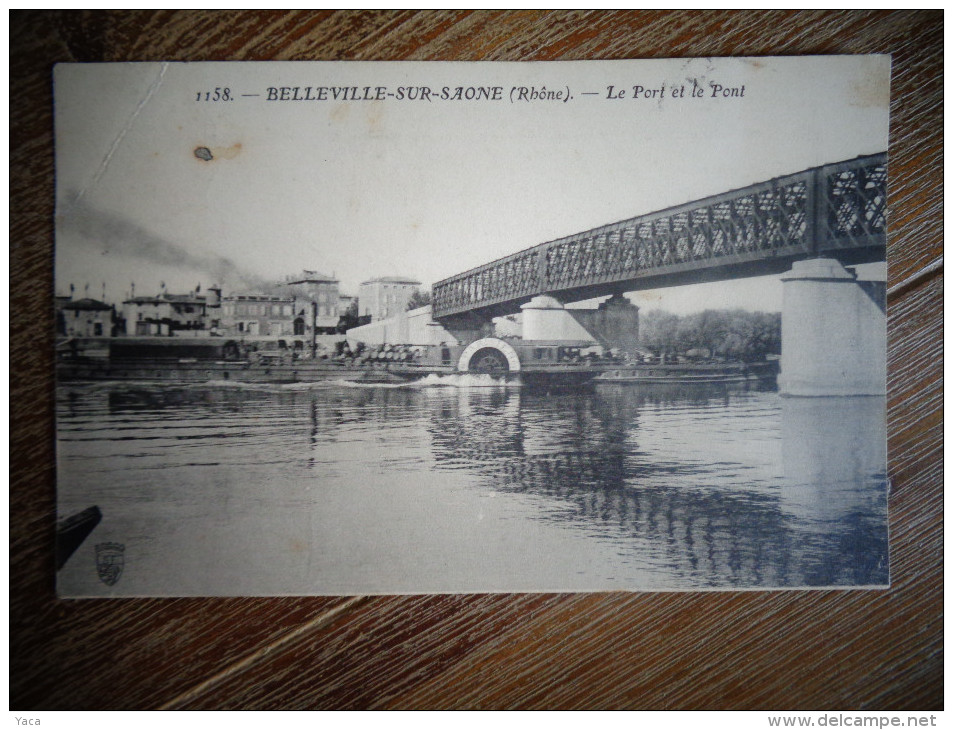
(350, 328)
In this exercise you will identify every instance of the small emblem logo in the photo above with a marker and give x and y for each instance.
(109, 561)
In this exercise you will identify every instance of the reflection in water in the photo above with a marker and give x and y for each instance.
(331, 488)
(600, 462)
(835, 456)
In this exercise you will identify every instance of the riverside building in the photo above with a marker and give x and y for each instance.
(385, 296)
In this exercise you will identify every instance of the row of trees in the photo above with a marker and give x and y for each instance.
(420, 298)
(735, 334)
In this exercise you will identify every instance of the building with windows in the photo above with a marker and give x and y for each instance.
(385, 296)
(84, 318)
(255, 314)
(290, 308)
(323, 290)
(319, 288)
(165, 315)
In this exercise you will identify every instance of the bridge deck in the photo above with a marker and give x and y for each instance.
(838, 210)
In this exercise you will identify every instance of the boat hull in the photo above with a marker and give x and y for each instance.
(704, 374)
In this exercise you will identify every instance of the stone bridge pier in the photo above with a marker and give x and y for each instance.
(833, 332)
(614, 324)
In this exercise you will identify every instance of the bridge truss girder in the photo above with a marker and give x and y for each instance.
(837, 210)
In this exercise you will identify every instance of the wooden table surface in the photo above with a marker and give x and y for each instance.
(765, 650)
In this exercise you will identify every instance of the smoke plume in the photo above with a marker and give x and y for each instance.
(114, 235)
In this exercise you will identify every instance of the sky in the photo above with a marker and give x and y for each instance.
(423, 188)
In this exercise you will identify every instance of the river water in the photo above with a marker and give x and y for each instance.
(343, 489)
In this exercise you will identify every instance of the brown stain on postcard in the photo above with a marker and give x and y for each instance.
(227, 153)
(208, 154)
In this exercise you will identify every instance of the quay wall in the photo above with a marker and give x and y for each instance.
(414, 327)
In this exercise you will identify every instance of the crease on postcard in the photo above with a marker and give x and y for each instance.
(101, 170)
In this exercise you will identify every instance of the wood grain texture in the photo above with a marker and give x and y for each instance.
(782, 650)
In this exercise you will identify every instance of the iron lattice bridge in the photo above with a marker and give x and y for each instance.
(837, 210)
